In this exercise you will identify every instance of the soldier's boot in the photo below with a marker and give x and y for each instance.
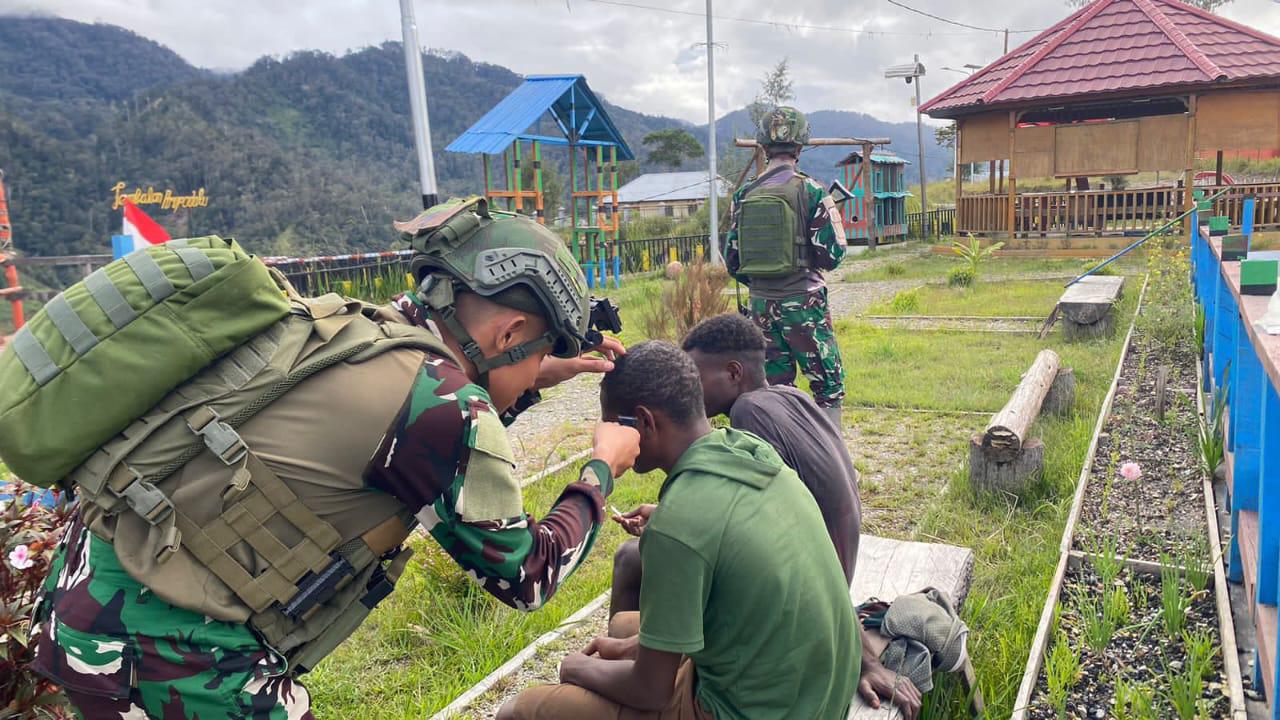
(833, 412)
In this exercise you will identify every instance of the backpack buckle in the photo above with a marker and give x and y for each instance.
(145, 499)
(218, 436)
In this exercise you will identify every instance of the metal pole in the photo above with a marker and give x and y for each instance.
(924, 200)
(713, 186)
(418, 104)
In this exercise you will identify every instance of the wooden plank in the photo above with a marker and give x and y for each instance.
(888, 568)
(1266, 633)
(1089, 300)
(1249, 554)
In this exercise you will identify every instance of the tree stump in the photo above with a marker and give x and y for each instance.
(1103, 328)
(1062, 393)
(988, 474)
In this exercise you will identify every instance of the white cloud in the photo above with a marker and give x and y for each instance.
(643, 59)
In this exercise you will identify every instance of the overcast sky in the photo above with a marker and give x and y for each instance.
(641, 58)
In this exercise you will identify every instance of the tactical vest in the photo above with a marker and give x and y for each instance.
(263, 517)
(773, 228)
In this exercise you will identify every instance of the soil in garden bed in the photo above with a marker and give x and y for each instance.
(1141, 651)
(1163, 510)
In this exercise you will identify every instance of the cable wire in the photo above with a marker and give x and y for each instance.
(957, 23)
(784, 25)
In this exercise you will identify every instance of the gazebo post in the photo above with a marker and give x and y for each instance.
(1189, 174)
(1013, 175)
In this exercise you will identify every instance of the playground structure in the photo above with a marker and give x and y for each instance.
(877, 214)
(12, 290)
(581, 123)
(858, 212)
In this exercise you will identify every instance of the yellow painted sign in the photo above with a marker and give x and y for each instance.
(167, 200)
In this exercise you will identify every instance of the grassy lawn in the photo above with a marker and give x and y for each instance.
(1020, 298)
(439, 634)
(923, 264)
(915, 481)
(901, 368)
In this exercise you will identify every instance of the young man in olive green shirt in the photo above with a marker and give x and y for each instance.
(744, 609)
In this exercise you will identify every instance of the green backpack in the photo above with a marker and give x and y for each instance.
(773, 229)
(103, 352)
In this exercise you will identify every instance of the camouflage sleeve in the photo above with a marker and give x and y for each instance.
(732, 260)
(447, 457)
(826, 229)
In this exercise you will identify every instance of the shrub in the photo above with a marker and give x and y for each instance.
(1088, 265)
(974, 254)
(906, 302)
(960, 276)
(697, 294)
(28, 536)
(895, 269)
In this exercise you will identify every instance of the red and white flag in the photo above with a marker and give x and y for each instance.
(140, 230)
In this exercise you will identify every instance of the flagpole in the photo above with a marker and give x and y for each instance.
(418, 104)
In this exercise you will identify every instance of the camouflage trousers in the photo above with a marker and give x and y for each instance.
(120, 652)
(798, 332)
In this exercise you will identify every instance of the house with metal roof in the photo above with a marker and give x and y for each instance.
(1140, 92)
(877, 214)
(671, 194)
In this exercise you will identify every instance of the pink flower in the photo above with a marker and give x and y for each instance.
(1130, 471)
(20, 558)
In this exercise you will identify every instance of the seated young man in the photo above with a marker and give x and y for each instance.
(744, 610)
(729, 352)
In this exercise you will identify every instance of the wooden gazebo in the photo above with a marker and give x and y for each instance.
(1139, 89)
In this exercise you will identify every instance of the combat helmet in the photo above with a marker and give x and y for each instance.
(783, 125)
(462, 245)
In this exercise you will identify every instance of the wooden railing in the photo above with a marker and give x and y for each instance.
(1103, 212)
(982, 213)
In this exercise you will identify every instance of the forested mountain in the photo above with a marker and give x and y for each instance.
(311, 153)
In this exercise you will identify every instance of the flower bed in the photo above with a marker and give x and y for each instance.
(28, 536)
(1133, 645)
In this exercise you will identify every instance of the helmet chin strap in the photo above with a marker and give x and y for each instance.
(437, 292)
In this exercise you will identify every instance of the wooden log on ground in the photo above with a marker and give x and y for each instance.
(1062, 393)
(989, 474)
(1007, 431)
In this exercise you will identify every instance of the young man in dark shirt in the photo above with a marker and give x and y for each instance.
(729, 352)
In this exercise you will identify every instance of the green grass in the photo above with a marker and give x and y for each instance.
(900, 368)
(1022, 298)
(1015, 540)
(439, 634)
(935, 266)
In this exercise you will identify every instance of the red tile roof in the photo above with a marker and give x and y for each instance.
(1116, 46)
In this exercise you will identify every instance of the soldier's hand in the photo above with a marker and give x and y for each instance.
(599, 359)
(635, 521)
(617, 445)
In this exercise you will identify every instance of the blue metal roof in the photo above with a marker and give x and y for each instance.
(570, 102)
(876, 158)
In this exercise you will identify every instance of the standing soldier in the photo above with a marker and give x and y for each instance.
(785, 232)
(243, 528)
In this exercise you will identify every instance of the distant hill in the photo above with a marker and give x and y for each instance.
(311, 153)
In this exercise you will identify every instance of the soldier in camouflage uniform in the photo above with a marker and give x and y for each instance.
(791, 309)
(435, 452)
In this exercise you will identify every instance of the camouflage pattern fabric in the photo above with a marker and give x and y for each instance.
(120, 652)
(798, 331)
(783, 125)
(826, 240)
(447, 458)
